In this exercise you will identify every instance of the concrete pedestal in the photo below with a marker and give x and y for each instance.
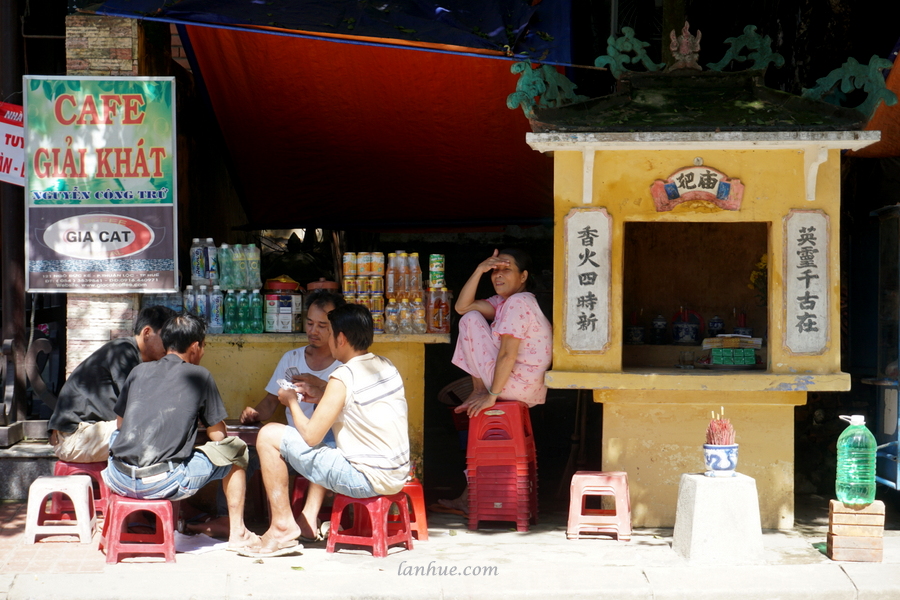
(717, 520)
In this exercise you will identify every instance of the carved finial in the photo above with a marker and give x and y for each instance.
(685, 49)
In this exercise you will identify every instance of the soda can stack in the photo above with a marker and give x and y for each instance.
(349, 261)
(365, 286)
(436, 271)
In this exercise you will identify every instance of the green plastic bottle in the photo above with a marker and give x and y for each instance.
(855, 485)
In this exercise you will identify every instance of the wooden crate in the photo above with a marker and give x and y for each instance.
(856, 533)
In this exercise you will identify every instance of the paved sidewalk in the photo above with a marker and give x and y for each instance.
(537, 564)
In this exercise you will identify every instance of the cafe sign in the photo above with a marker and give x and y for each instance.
(100, 184)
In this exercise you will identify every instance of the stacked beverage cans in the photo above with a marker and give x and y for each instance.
(363, 283)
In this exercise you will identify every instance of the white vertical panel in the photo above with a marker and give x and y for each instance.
(807, 312)
(588, 248)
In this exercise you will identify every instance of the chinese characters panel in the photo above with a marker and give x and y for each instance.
(806, 282)
(588, 248)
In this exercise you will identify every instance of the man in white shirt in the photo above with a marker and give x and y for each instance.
(365, 403)
(313, 364)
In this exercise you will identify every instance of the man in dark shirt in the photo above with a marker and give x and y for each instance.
(83, 418)
(152, 454)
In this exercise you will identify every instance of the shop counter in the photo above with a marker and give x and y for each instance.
(242, 364)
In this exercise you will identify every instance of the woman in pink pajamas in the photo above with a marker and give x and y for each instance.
(507, 358)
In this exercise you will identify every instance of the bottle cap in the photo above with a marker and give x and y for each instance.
(195, 240)
(256, 291)
(209, 239)
(189, 287)
(216, 287)
(854, 419)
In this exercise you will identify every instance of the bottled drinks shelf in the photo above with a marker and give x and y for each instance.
(300, 338)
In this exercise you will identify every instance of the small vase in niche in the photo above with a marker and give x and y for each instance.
(634, 334)
(658, 330)
(716, 326)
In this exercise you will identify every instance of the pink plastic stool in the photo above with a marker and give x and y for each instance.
(585, 522)
(375, 531)
(60, 506)
(119, 542)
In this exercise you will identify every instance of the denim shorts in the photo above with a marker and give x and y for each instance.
(325, 465)
(183, 481)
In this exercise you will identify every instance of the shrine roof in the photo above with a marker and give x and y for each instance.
(690, 100)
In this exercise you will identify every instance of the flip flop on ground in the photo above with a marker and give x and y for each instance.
(271, 550)
(438, 508)
(322, 531)
(252, 542)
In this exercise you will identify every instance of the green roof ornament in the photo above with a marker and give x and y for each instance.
(617, 57)
(761, 56)
(852, 75)
(543, 86)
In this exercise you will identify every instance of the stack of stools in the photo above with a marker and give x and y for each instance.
(588, 522)
(60, 506)
(120, 543)
(502, 466)
(370, 523)
(78, 489)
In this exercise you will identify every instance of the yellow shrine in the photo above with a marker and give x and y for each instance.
(667, 196)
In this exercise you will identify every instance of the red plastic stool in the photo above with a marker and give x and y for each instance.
(375, 531)
(119, 542)
(417, 521)
(60, 506)
(298, 499)
(584, 521)
(505, 427)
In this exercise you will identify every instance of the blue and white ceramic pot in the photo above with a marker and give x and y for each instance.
(721, 461)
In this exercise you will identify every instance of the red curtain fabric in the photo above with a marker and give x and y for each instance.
(327, 132)
(886, 120)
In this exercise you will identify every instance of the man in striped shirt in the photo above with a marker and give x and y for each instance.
(365, 405)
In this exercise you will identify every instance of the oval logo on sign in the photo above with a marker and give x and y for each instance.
(98, 236)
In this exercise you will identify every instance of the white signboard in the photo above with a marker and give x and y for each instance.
(588, 248)
(12, 144)
(806, 281)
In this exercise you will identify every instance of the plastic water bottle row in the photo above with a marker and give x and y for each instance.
(229, 267)
(171, 300)
(405, 316)
(240, 312)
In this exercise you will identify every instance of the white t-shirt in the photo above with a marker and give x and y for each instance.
(297, 358)
(372, 430)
